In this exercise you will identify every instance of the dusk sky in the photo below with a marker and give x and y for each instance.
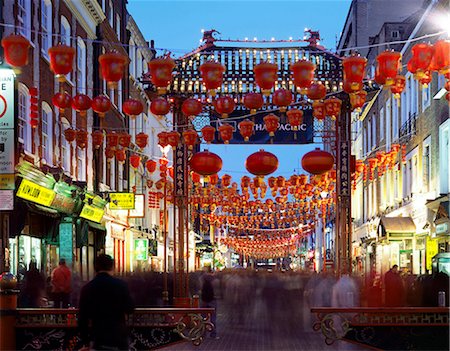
(176, 26)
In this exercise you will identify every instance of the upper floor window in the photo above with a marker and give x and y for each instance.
(395, 34)
(46, 25)
(65, 31)
(132, 53)
(426, 96)
(24, 17)
(81, 66)
(81, 164)
(118, 26)
(111, 14)
(65, 147)
(47, 133)
(382, 124)
(23, 127)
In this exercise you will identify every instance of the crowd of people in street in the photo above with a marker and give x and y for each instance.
(248, 295)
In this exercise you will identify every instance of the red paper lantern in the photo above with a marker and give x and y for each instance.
(81, 138)
(150, 165)
(135, 161)
(112, 67)
(205, 163)
(62, 101)
(354, 67)
(426, 79)
(388, 65)
(70, 134)
(272, 123)
(112, 139)
(195, 177)
(317, 91)
(422, 54)
(224, 105)
(319, 110)
(15, 48)
(303, 74)
(109, 153)
(160, 107)
(357, 100)
(295, 118)
(208, 133)
(265, 76)
(161, 72)
(441, 58)
(61, 60)
(97, 138)
(333, 107)
(191, 107)
(121, 156)
(398, 86)
(141, 140)
(226, 133)
(190, 137)
(261, 163)
(81, 103)
(282, 98)
(253, 102)
(124, 140)
(132, 107)
(101, 105)
(34, 108)
(162, 139)
(212, 75)
(173, 138)
(226, 180)
(246, 129)
(317, 161)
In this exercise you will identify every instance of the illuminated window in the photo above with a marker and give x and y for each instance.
(46, 25)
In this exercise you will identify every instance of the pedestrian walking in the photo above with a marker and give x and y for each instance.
(208, 298)
(394, 289)
(33, 290)
(104, 303)
(61, 284)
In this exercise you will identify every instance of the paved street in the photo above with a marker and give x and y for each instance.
(259, 332)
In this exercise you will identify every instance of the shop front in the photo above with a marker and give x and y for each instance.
(397, 236)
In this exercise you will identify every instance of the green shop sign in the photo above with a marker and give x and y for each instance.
(140, 249)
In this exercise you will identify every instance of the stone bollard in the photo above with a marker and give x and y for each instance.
(8, 307)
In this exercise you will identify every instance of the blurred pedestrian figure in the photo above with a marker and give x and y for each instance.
(394, 290)
(33, 288)
(208, 299)
(61, 284)
(345, 293)
(104, 303)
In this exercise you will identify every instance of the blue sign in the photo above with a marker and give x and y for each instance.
(284, 135)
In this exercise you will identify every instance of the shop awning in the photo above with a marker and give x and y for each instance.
(42, 210)
(397, 225)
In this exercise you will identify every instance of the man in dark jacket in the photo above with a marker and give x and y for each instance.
(104, 303)
(394, 290)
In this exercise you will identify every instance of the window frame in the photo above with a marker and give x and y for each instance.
(47, 135)
(47, 31)
(81, 66)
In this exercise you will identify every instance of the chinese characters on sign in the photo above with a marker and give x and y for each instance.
(344, 165)
(140, 249)
(92, 213)
(121, 201)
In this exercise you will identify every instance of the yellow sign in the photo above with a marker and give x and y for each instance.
(432, 250)
(35, 193)
(121, 201)
(7, 181)
(92, 213)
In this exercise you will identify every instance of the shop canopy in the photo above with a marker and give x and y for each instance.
(396, 226)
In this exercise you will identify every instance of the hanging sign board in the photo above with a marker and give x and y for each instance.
(35, 193)
(7, 139)
(6, 200)
(284, 135)
(432, 249)
(92, 213)
(121, 201)
(140, 249)
(139, 207)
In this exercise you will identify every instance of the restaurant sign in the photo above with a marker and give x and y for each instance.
(92, 213)
(121, 201)
(33, 192)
